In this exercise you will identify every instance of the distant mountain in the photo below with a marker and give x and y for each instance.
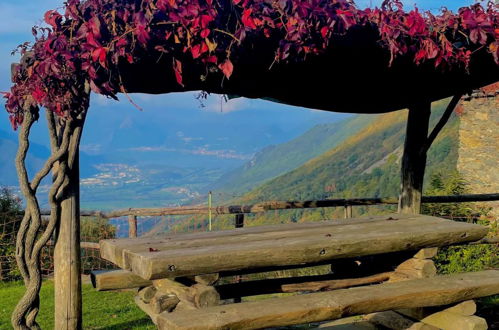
(366, 164)
(37, 156)
(166, 154)
(278, 159)
(8, 150)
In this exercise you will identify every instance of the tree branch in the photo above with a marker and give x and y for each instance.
(441, 123)
(55, 157)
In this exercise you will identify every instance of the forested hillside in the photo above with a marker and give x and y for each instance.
(365, 165)
(278, 159)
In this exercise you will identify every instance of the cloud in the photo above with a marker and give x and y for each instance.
(91, 148)
(217, 103)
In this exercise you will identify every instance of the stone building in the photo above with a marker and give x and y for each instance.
(478, 159)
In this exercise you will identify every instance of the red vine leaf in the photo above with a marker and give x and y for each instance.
(177, 68)
(227, 67)
(247, 19)
(39, 95)
(53, 18)
(99, 54)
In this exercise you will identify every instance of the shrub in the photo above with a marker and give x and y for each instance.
(10, 218)
(457, 259)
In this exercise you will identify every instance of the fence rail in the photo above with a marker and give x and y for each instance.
(90, 250)
(280, 205)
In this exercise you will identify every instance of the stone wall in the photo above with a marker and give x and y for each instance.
(478, 159)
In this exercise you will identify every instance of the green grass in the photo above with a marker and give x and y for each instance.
(101, 310)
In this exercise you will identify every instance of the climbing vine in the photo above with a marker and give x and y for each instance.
(82, 47)
(88, 40)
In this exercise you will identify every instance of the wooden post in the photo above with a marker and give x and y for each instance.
(239, 220)
(67, 263)
(348, 211)
(414, 159)
(132, 226)
(209, 211)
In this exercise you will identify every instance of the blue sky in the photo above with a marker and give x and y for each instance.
(18, 16)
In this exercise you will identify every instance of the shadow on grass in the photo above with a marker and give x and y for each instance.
(130, 324)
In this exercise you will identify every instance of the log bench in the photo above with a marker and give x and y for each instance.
(178, 276)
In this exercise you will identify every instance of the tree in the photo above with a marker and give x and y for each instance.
(10, 210)
(456, 259)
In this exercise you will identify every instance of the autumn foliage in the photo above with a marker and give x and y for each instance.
(88, 40)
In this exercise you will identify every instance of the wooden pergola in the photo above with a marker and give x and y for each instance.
(369, 87)
(354, 74)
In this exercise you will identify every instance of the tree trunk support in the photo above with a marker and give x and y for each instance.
(239, 220)
(414, 158)
(67, 263)
(132, 226)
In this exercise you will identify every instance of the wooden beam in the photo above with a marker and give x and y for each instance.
(461, 198)
(83, 245)
(279, 205)
(389, 320)
(414, 158)
(316, 307)
(450, 321)
(443, 120)
(113, 249)
(67, 257)
(321, 242)
(239, 220)
(104, 280)
(348, 212)
(198, 295)
(427, 253)
(132, 226)
(295, 284)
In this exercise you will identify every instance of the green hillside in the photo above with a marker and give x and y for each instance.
(367, 164)
(278, 159)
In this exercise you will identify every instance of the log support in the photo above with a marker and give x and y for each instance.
(420, 266)
(167, 295)
(116, 280)
(239, 220)
(132, 226)
(414, 158)
(67, 256)
(348, 212)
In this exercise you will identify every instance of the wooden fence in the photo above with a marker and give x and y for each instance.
(240, 210)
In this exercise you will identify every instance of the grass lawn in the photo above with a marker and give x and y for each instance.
(116, 310)
(101, 310)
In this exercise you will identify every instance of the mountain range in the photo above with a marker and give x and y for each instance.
(362, 161)
(167, 154)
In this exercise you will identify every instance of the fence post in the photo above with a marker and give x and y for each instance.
(209, 211)
(348, 211)
(132, 226)
(239, 220)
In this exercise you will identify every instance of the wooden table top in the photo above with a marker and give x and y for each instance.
(283, 245)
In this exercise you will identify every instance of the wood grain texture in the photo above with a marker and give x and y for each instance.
(426, 253)
(287, 245)
(198, 295)
(414, 158)
(389, 320)
(315, 307)
(67, 259)
(295, 284)
(451, 321)
(116, 279)
(112, 249)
